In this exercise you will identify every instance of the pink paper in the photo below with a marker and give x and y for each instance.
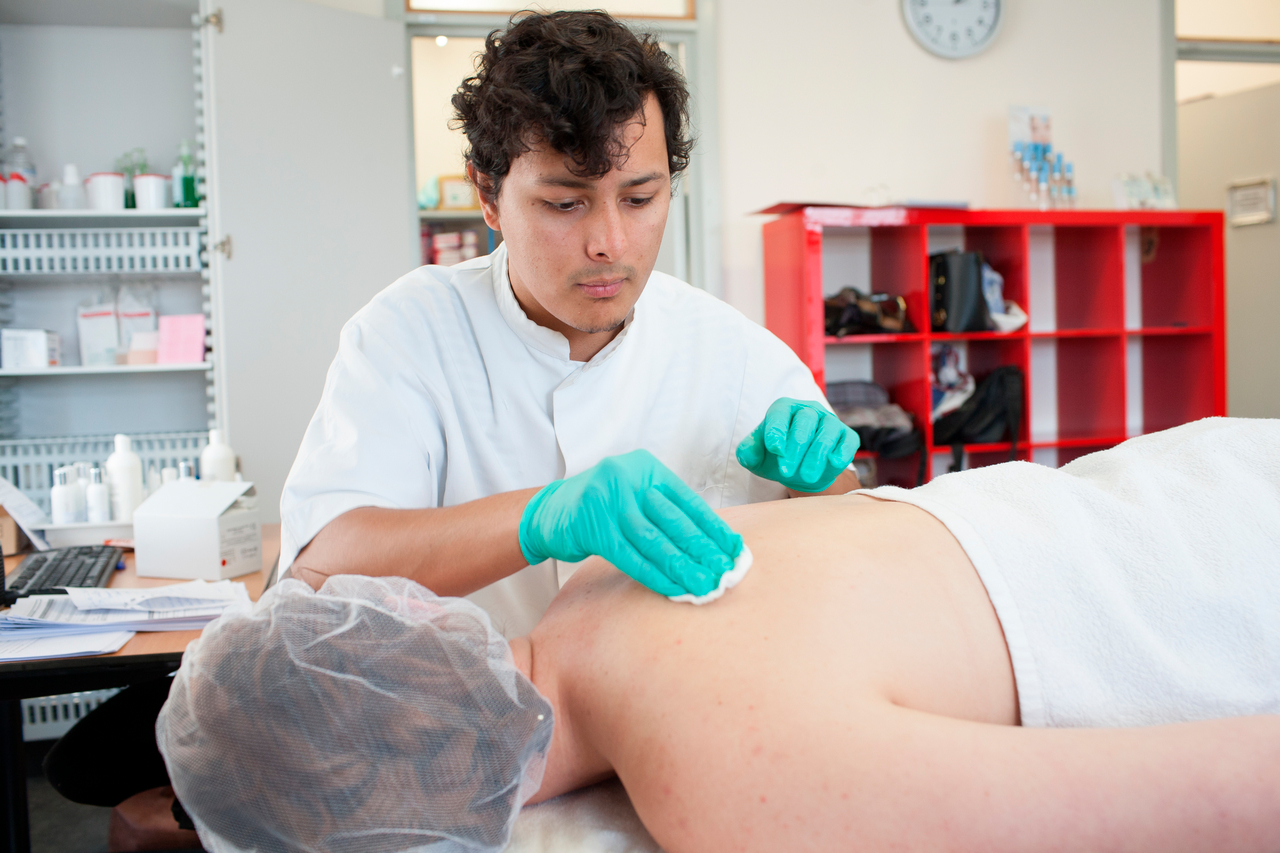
(181, 339)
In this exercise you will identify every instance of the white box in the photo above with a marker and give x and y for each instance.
(198, 529)
(29, 349)
(85, 533)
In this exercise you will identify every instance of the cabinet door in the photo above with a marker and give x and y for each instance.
(309, 176)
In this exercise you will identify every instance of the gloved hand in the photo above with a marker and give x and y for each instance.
(637, 514)
(800, 445)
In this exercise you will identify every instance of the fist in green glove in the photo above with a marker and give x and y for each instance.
(633, 511)
(800, 445)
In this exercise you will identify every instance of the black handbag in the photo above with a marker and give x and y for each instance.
(993, 411)
(958, 303)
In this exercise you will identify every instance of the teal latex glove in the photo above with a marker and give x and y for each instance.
(800, 445)
(633, 511)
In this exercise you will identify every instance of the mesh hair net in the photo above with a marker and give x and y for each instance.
(370, 716)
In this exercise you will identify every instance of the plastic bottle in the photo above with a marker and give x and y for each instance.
(62, 497)
(1069, 180)
(18, 160)
(185, 471)
(71, 195)
(184, 177)
(1016, 156)
(217, 460)
(124, 473)
(17, 192)
(98, 498)
(82, 490)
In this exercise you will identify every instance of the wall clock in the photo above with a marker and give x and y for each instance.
(953, 29)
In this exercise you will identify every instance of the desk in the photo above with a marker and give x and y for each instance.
(146, 656)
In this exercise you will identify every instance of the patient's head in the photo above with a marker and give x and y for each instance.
(369, 716)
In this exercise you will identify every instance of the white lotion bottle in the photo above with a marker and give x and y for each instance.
(124, 473)
(82, 485)
(98, 497)
(62, 498)
(217, 460)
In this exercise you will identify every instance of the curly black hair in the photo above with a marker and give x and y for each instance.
(571, 80)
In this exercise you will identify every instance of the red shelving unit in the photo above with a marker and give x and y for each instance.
(1127, 315)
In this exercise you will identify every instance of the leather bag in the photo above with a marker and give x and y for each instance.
(956, 288)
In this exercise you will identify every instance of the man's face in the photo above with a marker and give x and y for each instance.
(581, 249)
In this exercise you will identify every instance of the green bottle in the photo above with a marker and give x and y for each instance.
(184, 177)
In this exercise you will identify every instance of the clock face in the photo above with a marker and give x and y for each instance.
(952, 29)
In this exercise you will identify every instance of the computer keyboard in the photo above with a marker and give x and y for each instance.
(44, 572)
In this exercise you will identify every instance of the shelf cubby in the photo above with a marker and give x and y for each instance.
(1089, 277)
(1005, 249)
(1091, 387)
(1175, 263)
(1178, 381)
(1126, 316)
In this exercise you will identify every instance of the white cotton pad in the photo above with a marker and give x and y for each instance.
(728, 580)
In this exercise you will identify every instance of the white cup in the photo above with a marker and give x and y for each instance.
(149, 191)
(106, 190)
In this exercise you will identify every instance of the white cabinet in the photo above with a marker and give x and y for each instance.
(300, 115)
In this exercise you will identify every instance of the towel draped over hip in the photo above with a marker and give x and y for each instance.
(1137, 585)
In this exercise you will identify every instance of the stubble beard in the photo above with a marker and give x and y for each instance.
(628, 273)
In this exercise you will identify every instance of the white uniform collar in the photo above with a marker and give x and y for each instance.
(537, 337)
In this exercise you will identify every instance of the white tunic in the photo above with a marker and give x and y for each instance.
(443, 391)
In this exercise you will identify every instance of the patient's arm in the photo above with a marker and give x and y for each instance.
(925, 782)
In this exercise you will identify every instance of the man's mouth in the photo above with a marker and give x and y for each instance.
(601, 289)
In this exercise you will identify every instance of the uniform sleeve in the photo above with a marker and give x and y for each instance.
(773, 370)
(374, 441)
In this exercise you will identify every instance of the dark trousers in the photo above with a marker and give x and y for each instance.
(111, 754)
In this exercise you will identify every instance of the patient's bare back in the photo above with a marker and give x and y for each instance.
(852, 604)
(855, 691)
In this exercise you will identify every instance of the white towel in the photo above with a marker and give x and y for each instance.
(599, 819)
(1135, 586)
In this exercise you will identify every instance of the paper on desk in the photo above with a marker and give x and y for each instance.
(42, 647)
(57, 614)
(24, 511)
(173, 597)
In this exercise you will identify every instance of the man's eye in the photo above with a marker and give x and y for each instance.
(639, 202)
(562, 206)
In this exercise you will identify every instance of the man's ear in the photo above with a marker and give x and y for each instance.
(488, 200)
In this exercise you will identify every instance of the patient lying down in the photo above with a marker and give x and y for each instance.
(1080, 659)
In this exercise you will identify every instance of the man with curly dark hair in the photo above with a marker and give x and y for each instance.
(486, 422)
(555, 400)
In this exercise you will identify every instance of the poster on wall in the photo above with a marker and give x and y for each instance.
(1029, 125)
(1251, 202)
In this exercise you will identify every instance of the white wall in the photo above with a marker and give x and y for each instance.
(1252, 20)
(1222, 140)
(1198, 80)
(374, 8)
(831, 100)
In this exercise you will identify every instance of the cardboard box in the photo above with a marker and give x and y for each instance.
(29, 349)
(12, 539)
(198, 529)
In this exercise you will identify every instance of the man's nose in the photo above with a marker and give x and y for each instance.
(606, 236)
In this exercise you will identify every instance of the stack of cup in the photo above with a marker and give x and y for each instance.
(106, 190)
(150, 191)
